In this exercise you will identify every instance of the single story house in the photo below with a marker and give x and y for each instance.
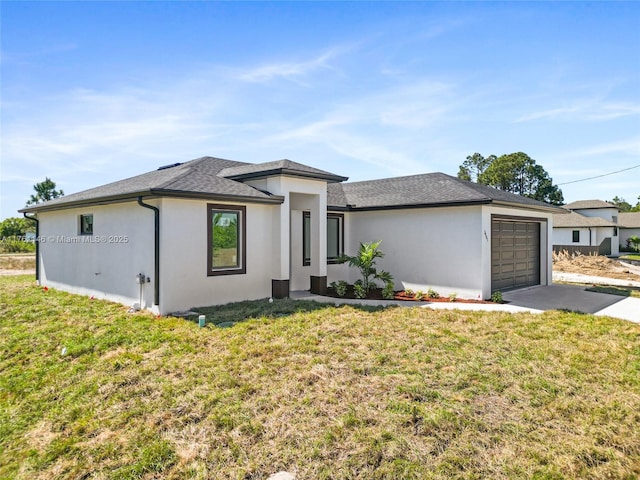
(212, 231)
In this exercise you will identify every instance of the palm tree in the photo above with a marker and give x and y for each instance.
(365, 261)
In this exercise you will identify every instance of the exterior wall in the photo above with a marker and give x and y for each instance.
(107, 270)
(564, 236)
(594, 236)
(183, 258)
(424, 248)
(606, 213)
(601, 233)
(626, 233)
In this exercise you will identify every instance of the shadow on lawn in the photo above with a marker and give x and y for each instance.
(227, 315)
(623, 292)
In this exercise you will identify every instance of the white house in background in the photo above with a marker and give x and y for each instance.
(212, 231)
(628, 226)
(591, 226)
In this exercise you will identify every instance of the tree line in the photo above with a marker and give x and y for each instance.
(515, 172)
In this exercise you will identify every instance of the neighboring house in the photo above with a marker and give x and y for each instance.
(628, 226)
(589, 227)
(213, 231)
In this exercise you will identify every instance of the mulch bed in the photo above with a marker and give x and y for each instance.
(376, 294)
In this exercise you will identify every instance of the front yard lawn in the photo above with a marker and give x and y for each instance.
(316, 390)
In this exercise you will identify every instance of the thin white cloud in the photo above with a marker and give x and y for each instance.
(7, 58)
(585, 111)
(629, 147)
(292, 71)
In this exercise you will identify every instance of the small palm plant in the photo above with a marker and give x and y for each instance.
(365, 262)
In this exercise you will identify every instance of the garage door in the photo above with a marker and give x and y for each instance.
(515, 254)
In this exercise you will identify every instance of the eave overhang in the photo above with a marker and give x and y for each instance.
(153, 193)
(329, 178)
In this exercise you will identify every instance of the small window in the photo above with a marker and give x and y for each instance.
(614, 218)
(226, 230)
(576, 236)
(615, 231)
(335, 237)
(86, 224)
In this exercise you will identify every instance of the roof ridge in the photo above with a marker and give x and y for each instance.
(195, 163)
(415, 175)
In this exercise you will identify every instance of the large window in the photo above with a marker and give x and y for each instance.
(226, 239)
(86, 224)
(335, 237)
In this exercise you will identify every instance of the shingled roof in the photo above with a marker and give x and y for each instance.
(197, 178)
(219, 179)
(575, 220)
(279, 167)
(431, 189)
(588, 205)
(629, 220)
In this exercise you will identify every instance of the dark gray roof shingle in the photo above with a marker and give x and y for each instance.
(429, 189)
(278, 167)
(199, 176)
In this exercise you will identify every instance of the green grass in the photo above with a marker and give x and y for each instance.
(621, 291)
(326, 392)
(631, 256)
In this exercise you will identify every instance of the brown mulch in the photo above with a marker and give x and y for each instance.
(376, 294)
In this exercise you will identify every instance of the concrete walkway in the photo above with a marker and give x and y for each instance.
(533, 300)
(592, 280)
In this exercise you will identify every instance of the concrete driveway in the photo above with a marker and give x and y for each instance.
(575, 298)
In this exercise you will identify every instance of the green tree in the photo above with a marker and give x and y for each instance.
(16, 227)
(621, 203)
(474, 166)
(45, 191)
(516, 173)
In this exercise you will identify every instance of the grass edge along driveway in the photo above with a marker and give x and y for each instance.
(320, 391)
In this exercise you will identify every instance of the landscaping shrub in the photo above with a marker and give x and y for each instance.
(496, 297)
(365, 262)
(340, 287)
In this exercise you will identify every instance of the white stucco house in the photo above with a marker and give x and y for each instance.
(212, 231)
(590, 226)
(628, 226)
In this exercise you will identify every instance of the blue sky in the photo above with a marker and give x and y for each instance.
(94, 92)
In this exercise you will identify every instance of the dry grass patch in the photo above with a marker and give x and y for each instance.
(326, 392)
(17, 261)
